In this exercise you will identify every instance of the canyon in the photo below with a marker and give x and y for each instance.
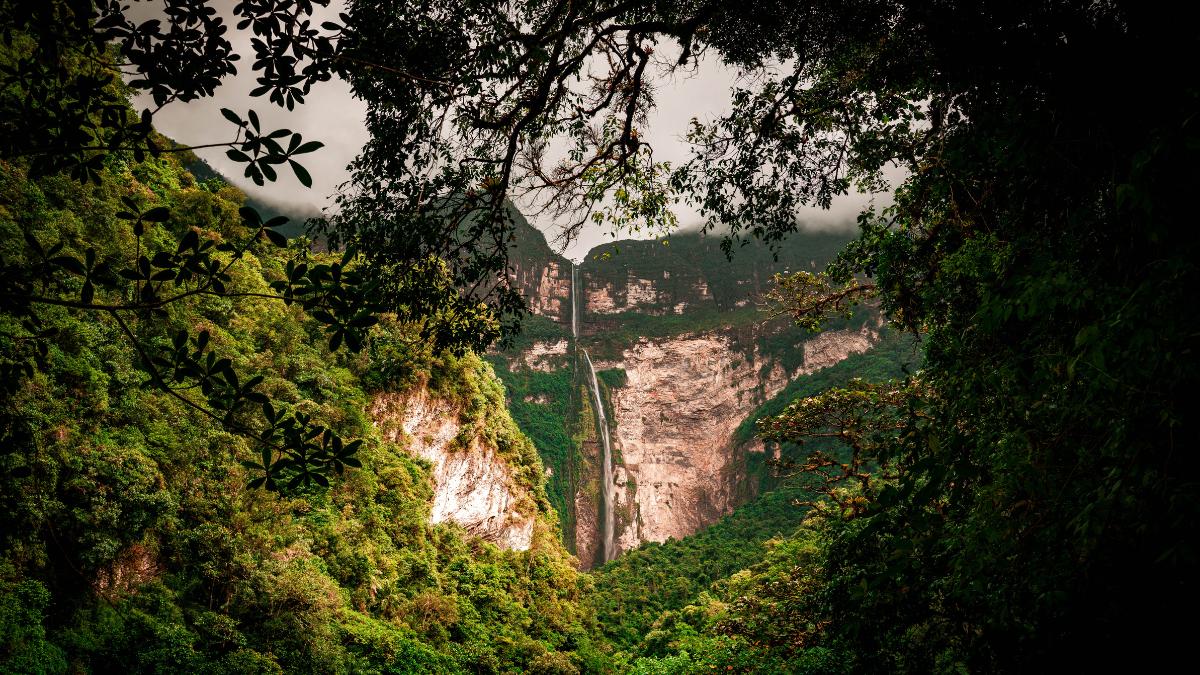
(636, 376)
(648, 356)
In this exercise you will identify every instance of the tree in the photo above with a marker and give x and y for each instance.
(64, 59)
(1041, 248)
(66, 69)
(1040, 245)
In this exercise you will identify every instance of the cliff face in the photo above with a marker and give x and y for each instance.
(652, 296)
(546, 286)
(682, 400)
(683, 358)
(675, 420)
(542, 276)
(474, 484)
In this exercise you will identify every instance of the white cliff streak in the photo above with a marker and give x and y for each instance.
(473, 486)
(544, 357)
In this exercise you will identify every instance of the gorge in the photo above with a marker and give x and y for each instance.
(232, 444)
(639, 374)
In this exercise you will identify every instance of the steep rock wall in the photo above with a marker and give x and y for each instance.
(654, 297)
(546, 286)
(677, 318)
(473, 485)
(542, 276)
(675, 420)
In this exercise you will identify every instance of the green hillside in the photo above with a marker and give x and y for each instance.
(687, 257)
(130, 539)
(228, 449)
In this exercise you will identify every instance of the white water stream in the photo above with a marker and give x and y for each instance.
(606, 484)
(606, 479)
(574, 309)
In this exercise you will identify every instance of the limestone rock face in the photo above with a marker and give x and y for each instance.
(675, 421)
(545, 357)
(645, 296)
(546, 287)
(473, 486)
(829, 348)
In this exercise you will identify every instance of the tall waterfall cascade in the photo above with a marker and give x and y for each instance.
(574, 308)
(606, 480)
(606, 485)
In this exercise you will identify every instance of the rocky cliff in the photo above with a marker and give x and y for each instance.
(490, 493)
(682, 357)
(675, 420)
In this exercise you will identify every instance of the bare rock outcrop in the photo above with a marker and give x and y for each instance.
(473, 485)
(544, 356)
(645, 296)
(547, 288)
(675, 421)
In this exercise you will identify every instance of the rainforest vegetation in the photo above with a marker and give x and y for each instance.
(191, 479)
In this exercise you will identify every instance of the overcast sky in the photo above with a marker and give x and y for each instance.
(333, 116)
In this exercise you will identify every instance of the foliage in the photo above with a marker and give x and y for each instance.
(892, 357)
(131, 540)
(144, 290)
(62, 89)
(784, 340)
(613, 378)
(69, 110)
(810, 298)
(536, 328)
(443, 78)
(1029, 482)
(636, 589)
(1029, 479)
(542, 405)
(1032, 477)
(142, 284)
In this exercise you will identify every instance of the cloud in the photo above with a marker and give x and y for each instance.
(332, 115)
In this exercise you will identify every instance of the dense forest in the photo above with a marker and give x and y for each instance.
(126, 488)
(201, 464)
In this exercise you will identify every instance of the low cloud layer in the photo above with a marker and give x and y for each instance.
(335, 117)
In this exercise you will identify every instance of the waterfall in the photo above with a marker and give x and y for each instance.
(606, 477)
(574, 308)
(606, 484)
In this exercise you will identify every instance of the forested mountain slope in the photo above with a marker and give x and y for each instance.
(131, 541)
